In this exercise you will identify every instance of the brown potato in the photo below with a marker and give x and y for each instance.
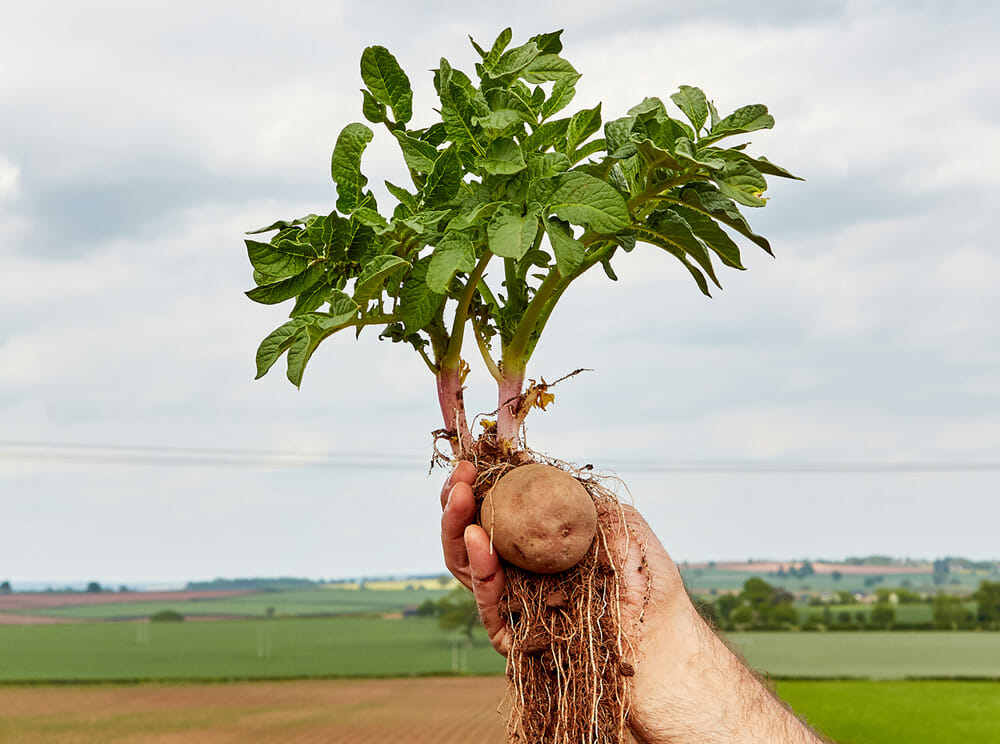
(540, 518)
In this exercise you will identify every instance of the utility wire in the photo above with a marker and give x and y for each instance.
(99, 454)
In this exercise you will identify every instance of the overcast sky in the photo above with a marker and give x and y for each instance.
(138, 141)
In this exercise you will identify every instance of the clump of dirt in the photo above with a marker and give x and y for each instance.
(569, 663)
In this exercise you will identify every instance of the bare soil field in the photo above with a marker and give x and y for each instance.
(47, 600)
(19, 619)
(414, 711)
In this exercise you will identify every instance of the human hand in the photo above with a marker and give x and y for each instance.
(688, 686)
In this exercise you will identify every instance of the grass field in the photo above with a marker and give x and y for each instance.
(323, 601)
(248, 649)
(237, 649)
(442, 711)
(878, 655)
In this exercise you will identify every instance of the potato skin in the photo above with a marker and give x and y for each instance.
(540, 518)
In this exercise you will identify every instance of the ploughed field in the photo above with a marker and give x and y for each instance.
(441, 711)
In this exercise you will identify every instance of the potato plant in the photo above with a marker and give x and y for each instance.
(510, 200)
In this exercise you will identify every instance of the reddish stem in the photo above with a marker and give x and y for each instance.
(508, 420)
(452, 401)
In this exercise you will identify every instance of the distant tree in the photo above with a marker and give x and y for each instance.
(844, 617)
(845, 598)
(458, 611)
(428, 608)
(987, 598)
(5, 588)
(742, 615)
(883, 614)
(726, 604)
(950, 611)
(837, 576)
(123, 588)
(93, 587)
(166, 616)
(783, 613)
(806, 569)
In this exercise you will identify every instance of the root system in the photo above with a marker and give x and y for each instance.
(569, 663)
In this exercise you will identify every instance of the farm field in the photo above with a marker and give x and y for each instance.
(875, 655)
(323, 601)
(242, 649)
(445, 710)
(703, 580)
(371, 647)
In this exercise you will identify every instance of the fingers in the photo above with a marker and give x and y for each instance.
(487, 585)
(464, 472)
(459, 513)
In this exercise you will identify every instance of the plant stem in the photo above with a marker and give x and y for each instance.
(484, 351)
(514, 355)
(452, 402)
(509, 396)
(454, 354)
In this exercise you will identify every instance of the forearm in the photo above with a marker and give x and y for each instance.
(691, 689)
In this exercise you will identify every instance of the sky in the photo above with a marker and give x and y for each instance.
(842, 398)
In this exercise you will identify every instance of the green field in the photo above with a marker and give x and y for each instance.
(245, 649)
(703, 580)
(924, 712)
(350, 647)
(875, 655)
(325, 601)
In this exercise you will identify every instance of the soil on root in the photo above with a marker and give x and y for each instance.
(569, 663)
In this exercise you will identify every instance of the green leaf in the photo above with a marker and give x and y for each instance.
(654, 157)
(684, 149)
(514, 61)
(504, 158)
(510, 234)
(562, 93)
(693, 103)
(582, 125)
(547, 164)
(479, 213)
(345, 166)
(421, 221)
(549, 43)
(584, 200)
(672, 230)
(279, 225)
(342, 308)
(275, 292)
(387, 82)
(547, 67)
(374, 275)
(372, 109)
(370, 218)
(742, 182)
(405, 197)
(499, 120)
(275, 344)
(418, 303)
(453, 254)
(710, 201)
(712, 235)
(275, 262)
(300, 351)
(310, 299)
(419, 155)
(444, 179)
(501, 43)
(762, 164)
(618, 135)
(545, 135)
(569, 251)
(743, 120)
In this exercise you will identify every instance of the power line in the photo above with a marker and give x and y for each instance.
(63, 453)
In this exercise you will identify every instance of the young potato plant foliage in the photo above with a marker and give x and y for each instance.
(510, 201)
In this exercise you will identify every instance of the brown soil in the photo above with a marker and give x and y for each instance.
(414, 711)
(11, 619)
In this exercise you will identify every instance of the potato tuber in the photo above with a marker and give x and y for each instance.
(540, 518)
